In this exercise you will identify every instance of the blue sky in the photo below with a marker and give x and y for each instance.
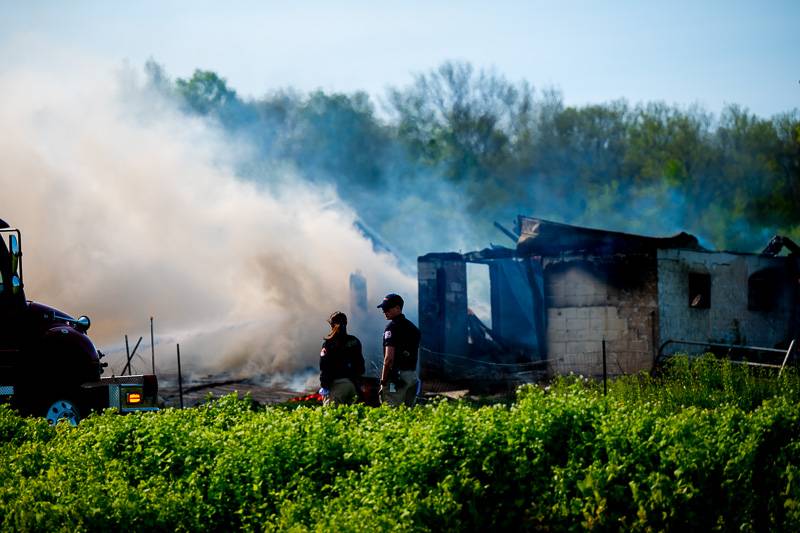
(707, 52)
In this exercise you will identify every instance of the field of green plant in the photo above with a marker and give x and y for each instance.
(704, 446)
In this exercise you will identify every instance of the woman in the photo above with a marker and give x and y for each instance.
(340, 363)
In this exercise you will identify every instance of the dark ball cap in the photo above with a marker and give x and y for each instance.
(337, 317)
(391, 300)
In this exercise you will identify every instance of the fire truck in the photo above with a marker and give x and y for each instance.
(48, 365)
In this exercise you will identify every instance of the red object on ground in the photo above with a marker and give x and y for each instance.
(316, 397)
(367, 393)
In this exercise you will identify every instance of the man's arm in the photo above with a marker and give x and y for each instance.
(388, 362)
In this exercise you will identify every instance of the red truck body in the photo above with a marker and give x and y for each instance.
(48, 365)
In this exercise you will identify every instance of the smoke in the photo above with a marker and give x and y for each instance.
(131, 209)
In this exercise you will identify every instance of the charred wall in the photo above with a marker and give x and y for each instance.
(590, 298)
(442, 314)
(752, 299)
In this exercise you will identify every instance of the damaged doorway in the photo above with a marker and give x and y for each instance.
(479, 292)
(517, 308)
(482, 315)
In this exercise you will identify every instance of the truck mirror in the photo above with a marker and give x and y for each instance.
(13, 243)
(83, 323)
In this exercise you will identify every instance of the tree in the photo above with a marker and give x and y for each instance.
(205, 92)
(650, 167)
(464, 119)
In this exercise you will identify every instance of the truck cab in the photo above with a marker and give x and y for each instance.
(48, 365)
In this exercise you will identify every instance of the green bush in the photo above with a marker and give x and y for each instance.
(702, 447)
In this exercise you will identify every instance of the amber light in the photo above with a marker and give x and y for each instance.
(134, 397)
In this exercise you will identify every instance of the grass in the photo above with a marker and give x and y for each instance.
(703, 446)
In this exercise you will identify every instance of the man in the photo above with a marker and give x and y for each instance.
(400, 348)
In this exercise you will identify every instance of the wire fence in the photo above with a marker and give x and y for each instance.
(463, 368)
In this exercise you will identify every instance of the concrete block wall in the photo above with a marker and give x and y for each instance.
(728, 318)
(592, 298)
(442, 314)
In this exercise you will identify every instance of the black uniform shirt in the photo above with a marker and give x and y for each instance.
(340, 358)
(401, 333)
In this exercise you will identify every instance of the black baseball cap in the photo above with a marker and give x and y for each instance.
(391, 300)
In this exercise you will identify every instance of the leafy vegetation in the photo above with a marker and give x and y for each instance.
(704, 446)
(506, 149)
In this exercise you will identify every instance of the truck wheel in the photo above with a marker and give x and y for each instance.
(63, 410)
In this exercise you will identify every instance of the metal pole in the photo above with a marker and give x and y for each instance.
(152, 346)
(127, 356)
(653, 336)
(180, 378)
(791, 345)
(510, 235)
(130, 355)
(605, 374)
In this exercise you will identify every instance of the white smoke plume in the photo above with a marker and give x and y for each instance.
(129, 209)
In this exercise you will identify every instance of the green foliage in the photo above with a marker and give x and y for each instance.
(702, 447)
(706, 382)
(337, 137)
(205, 92)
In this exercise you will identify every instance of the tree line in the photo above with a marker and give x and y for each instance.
(468, 142)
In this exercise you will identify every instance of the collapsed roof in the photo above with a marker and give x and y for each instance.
(543, 237)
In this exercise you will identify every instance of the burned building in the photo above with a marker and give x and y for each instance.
(564, 291)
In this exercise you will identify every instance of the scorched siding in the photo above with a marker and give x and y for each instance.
(591, 298)
(727, 319)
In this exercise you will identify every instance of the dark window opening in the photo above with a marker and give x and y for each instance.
(763, 291)
(699, 290)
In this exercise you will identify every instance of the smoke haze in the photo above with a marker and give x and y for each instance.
(237, 222)
(131, 209)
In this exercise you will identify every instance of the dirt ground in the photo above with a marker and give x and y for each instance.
(197, 390)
